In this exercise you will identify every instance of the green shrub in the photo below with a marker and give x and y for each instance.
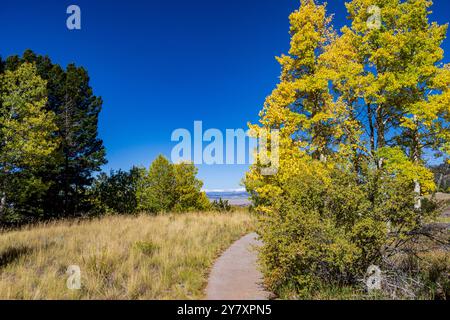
(309, 236)
(116, 193)
(221, 205)
(327, 226)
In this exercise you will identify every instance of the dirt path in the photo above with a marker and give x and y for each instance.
(235, 275)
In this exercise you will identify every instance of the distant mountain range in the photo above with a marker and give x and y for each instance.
(237, 197)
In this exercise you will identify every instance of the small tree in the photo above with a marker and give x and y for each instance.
(221, 205)
(170, 187)
(156, 189)
(116, 193)
(188, 194)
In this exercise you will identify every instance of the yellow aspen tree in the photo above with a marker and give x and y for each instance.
(405, 83)
(301, 105)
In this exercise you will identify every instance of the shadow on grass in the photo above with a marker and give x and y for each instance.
(12, 254)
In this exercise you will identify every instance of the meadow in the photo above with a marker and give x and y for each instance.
(120, 257)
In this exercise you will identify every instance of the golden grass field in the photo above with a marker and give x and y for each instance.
(120, 257)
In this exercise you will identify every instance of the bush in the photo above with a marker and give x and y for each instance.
(425, 275)
(323, 224)
(116, 193)
(309, 233)
(221, 205)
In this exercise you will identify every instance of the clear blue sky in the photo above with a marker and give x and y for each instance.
(160, 65)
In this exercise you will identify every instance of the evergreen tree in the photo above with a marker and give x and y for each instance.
(116, 193)
(80, 152)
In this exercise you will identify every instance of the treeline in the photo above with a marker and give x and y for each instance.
(50, 151)
(357, 112)
(165, 187)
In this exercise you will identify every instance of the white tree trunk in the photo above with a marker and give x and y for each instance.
(2, 204)
(417, 191)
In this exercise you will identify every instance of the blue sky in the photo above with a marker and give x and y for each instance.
(160, 65)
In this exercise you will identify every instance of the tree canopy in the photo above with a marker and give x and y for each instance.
(79, 153)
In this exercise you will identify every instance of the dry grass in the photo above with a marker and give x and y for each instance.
(163, 257)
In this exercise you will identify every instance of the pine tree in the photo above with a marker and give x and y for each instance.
(80, 152)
